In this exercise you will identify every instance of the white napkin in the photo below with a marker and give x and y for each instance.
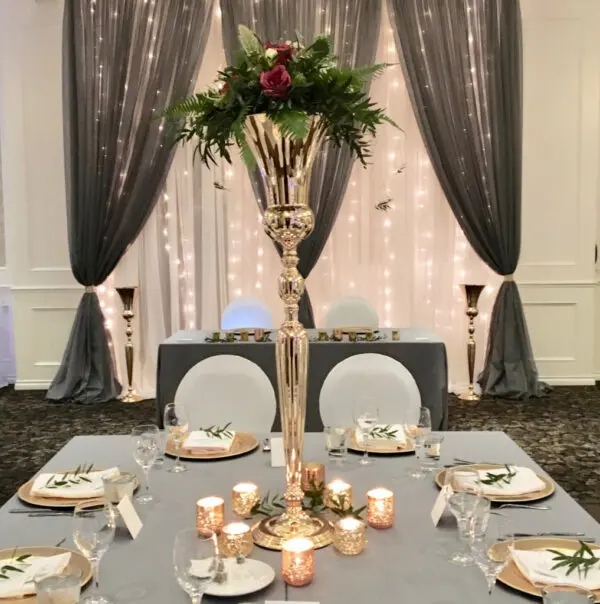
(83, 490)
(200, 441)
(399, 439)
(536, 566)
(526, 481)
(21, 584)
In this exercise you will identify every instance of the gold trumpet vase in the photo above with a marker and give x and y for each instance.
(472, 293)
(285, 164)
(127, 295)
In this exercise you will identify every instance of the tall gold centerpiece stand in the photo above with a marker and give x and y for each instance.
(285, 163)
(472, 293)
(127, 295)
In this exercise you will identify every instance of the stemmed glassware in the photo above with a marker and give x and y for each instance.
(195, 562)
(93, 533)
(177, 426)
(493, 550)
(417, 432)
(366, 416)
(146, 448)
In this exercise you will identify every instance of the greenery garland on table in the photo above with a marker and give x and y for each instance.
(349, 336)
(231, 337)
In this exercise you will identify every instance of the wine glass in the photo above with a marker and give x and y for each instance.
(494, 549)
(176, 425)
(417, 432)
(195, 562)
(146, 448)
(463, 480)
(93, 532)
(463, 505)
(366, 416)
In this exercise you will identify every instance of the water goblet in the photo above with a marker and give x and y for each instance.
(176, 425)
(417, 432)
(93, 533)
(366, 416)
(566, 594)
(336, 443)
(493, 550)
(146, 446)
(463, 506)
(195, 562)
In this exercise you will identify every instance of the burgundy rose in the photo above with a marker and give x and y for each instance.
(276, 82)
(284, 52)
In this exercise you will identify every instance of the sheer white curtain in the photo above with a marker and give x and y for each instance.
(204, 244)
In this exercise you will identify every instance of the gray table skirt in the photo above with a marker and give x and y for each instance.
(407, 563)
(421, 352)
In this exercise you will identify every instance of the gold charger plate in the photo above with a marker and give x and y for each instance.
(514, 578)
(243, 442)
(385, 448)
(77, 563)
(535, 496)
(24, 494)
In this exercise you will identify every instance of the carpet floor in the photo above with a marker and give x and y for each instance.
(560, 432)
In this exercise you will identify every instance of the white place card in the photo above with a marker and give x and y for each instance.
(277, 453)
(440, 504)
(131, 518)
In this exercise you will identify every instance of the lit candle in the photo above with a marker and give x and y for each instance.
(244, 496)
(210, 515)
(349, 536)
(380, 508)
(338, 494)
(298, 561)
(236, 540)
(313, 476)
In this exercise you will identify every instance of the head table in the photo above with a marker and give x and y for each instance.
(422, 352)
(405, 563)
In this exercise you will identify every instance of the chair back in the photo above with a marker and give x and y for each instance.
(351, 311)
(246, 313)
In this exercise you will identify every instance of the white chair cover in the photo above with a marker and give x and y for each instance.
(228, 388)
(375, 377)
(352, 311)
(246, 313)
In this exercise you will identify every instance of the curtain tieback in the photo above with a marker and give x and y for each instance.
(509, 278)
(90, 289)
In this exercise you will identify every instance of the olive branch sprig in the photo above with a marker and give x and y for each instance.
(269, 505)
(68, 479)
(7, 568)
(581, 561)
(383, 432)
(339, 508)
(219, 432)
(499, 479)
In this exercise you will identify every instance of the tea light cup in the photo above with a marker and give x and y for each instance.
(244, 496)
(298, 561)
(313, 475)
(338, 492)
(349, 536)
(210, 515)
(236, 540)
(380, 508)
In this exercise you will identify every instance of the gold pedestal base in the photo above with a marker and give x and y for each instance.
(471, 397)
(265, 536)
(131, 396)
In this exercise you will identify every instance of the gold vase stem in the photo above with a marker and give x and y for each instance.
(127, 295)
(472, 293)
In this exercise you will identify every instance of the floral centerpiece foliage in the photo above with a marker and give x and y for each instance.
(288, 82)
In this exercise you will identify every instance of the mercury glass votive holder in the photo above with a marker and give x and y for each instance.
(259, 334)
(338, 334)
(380, 508)
(298, 561)
(349, 536)
(210, 515)
(313, 475)
(244, 496)
(236, 540)
(338, 494)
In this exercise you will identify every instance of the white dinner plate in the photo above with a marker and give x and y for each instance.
(243, 579)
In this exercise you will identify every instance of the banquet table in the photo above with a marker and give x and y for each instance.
(407, 562)
(422, 352)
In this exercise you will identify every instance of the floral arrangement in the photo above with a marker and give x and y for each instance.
(289, 82)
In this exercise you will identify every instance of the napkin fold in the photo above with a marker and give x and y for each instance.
(36, 567)
(399, 439)
(536, 567)
(526, 481)
(42, 485)
(199, 441)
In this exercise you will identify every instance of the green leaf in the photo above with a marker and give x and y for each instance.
(292, 123)
(12, 568)
(85, 479)
(249, 41)
(23, 557)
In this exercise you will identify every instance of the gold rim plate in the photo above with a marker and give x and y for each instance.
(78, 563)
(385, 448)
(512, 576)
(524, 498)
(243, 443)
(24, 494)
(265, 537)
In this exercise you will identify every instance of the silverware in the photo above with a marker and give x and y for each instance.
(579, 536)
(541, 508)
(42, 512)
(467, 462)
(266, 445)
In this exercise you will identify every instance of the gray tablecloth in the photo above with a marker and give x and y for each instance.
(420, 351)
(407, 563)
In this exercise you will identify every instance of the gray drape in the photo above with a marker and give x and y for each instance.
(354, 29)
(123, 63)
(462, 61)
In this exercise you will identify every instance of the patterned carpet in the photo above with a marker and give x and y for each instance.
(561, 432)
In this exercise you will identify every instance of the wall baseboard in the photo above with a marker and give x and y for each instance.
(32, 384)
(569, 381)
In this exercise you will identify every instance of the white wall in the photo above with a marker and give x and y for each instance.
(557, 276)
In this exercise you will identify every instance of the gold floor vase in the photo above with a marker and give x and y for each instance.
(285, 164)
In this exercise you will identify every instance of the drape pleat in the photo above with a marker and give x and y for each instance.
(462, 61)
(354, 29)
(123, 63)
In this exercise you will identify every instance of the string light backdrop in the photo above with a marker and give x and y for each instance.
(204, 245)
